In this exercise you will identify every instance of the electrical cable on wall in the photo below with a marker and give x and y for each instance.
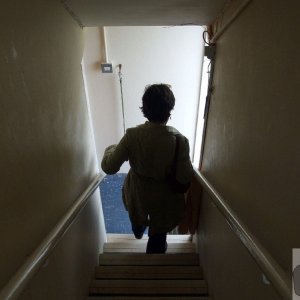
(122, 100)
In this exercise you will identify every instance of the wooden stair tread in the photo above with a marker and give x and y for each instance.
(148, 287)
(148, 272)
(149, 298)
(120, 259)
(116, 237)
(135, 243)
(132, 276)
(139, 246)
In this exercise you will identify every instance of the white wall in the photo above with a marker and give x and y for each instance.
(252, 144)
(149, 55)
(68, 271)
(47, 157)
(102, 91)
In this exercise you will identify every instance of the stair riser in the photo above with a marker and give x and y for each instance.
(148, 287)
(148, 272)
(149, 259)
(149, 298)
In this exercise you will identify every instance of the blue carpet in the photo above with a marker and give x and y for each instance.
(115, 215)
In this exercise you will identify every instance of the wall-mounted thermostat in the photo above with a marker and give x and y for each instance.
(106, 68)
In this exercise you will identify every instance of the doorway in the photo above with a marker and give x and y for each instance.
(148, 54)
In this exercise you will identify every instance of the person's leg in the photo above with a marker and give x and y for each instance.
(157, 243)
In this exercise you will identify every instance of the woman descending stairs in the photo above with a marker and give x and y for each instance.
(126, 272)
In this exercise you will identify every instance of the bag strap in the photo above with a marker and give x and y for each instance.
(173, 169)
(176, 149)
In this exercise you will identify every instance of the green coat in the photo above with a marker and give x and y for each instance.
(147, 196)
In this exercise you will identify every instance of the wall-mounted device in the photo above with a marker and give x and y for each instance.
(106, 68)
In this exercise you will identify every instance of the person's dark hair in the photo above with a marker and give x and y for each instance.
(158, 101)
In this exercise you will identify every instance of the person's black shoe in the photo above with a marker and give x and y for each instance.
(139, 235)
(157, 244)
(138, 231)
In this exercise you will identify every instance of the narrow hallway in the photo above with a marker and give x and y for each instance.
(52, 228)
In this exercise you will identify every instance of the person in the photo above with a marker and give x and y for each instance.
(150, 149)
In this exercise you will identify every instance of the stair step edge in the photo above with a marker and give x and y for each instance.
(148, 259)
(148, 272)
(148, 298)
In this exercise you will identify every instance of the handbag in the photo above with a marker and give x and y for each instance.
(177, 186)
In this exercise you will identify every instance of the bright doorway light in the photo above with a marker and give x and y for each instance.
(201, 108)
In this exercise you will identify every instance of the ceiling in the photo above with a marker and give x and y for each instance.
(144, 12)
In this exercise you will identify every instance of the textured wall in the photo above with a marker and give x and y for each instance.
(68, 272)
(229, 269)
(252, 147)
(47, 156)
(103, 93)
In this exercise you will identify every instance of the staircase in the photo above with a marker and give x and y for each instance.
(126, 272)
